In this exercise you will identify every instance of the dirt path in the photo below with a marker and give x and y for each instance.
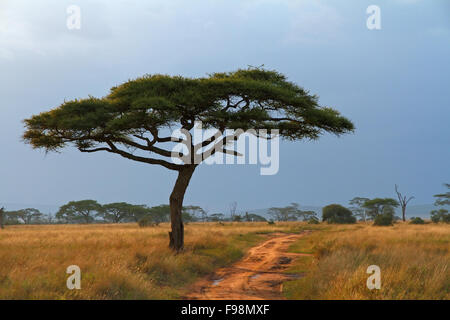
(258, 276)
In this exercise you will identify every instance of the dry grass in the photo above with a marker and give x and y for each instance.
(128, 262)
(414, 262)
(117, 261)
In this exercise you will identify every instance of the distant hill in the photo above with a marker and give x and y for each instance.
(419, 210)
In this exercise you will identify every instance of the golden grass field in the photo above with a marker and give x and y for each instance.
(127, 262)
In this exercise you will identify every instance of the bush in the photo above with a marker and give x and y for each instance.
(416, 220)
(335, 213)
(146, 222)
(271, 222)
(440, 215)
(385, 219)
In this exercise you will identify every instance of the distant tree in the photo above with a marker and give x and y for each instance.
(83, 211)
(380, 205)
(403, 202)
(335, 213)
(255, 218)
(117, 212)
(308, 215)
(289, 213)
(48, 218)
(440, 215)
(357, 208)
(26, 216)
(233, 208)
(131, 121)
(416, 220)
(160, 213)
(216, 217)
(2, 218)
(236, 218)
(443, 199)
(194, 213)
(138, 212)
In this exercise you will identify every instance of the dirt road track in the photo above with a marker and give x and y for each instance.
(258, 276)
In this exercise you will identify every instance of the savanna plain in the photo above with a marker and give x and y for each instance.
(124, 261)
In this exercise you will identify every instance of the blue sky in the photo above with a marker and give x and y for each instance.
(393, 83)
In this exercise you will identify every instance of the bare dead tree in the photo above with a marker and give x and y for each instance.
(233, 207)
(403, 202)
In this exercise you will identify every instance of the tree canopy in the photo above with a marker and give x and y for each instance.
(83, 211)
(27, 216)
(290, 213)
(443, 199)
(379, 206)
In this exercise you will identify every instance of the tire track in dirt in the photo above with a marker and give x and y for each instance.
(258, 276)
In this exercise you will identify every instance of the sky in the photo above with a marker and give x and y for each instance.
(393, 83)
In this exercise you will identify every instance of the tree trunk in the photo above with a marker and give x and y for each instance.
(404, 213)
(176, 205)
(1, 218)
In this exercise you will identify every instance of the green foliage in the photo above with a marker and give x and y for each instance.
(379, 206)
(237, 218)
(335, 213)
(290, 213)
(443, 198)
(160, 213)
(440, 215)
(121, 211)
(358, 208)
(26, 216)
(271, 222)
(417, 220)
(83, 211)
(194, 213)
(254, 217)
(244, 99)
(384, 219)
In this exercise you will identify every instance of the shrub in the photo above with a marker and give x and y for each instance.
(416, 220)
(335, 213)
(440, 215)
(385, 219)
(270, 222)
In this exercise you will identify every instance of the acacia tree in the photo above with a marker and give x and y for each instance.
(132, 119)
(290, 213)
(27, 215)
(443, 199)
(403, 202)
(358, 208)
(195, 212)
(83, 211)
(379, 206)
(118, 211)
